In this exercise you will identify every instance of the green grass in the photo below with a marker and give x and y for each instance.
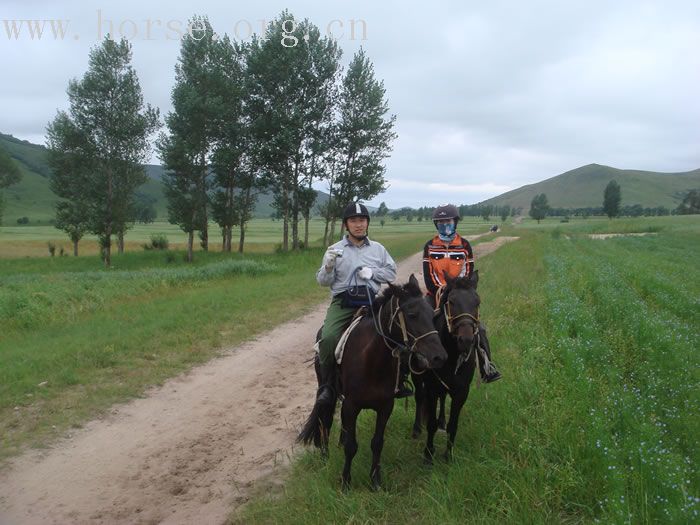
(596, 419)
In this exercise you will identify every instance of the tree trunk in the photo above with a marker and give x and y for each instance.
(120, 242)
(241, 239)
(204, 234)
(75, 248)
(332, 239)
(325, 232)
(295, 207)
(190, 241)
(107, 249)
(228, 233)
(306, 230)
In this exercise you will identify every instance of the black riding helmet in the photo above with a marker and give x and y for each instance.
(355, 209)
(446, 211)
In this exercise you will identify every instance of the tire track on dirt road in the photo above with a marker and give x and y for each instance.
(190, 450)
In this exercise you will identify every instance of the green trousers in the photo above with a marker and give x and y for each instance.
(337, 320)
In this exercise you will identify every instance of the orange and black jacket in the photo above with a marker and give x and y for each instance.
(455, 258)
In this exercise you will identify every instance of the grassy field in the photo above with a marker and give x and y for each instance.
(76, 338)
(596, 419)
(262, 235)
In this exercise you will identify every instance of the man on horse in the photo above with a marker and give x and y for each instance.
(450, 254)
(347, 266)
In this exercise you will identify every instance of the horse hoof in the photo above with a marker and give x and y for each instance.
(428, 457)
(442, 426)
(345, 486)
(449, 456)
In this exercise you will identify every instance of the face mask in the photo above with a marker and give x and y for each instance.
(446, 231)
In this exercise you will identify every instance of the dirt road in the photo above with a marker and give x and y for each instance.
(189, 451)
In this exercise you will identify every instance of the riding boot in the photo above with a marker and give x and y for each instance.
(404, 387)
(326, 392)
(487, 368)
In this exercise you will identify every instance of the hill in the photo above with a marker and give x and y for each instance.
(32, 197)
(583, 187)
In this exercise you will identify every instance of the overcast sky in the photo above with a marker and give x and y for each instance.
(489, 96)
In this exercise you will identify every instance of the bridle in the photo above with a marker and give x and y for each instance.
(451, 320)
(397, 318)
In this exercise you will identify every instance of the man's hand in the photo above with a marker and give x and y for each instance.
(330, 257)
(365, 273)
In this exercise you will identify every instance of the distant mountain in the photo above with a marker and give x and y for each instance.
(583, 187)
(32, 197)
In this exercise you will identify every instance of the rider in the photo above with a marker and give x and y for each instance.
(355, 260)
(451, 254)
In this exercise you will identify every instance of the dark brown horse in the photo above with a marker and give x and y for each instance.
(400, 321)
(460, 334)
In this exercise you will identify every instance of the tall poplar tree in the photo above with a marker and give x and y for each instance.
(366, 133)
(185, 151)
(109, 127)
(612, 197)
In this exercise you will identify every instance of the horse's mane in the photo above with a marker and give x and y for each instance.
(402, 291)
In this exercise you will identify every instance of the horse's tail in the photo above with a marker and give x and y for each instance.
(318, 425)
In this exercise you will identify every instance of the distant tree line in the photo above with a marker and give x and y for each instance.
(247, 117)
(485, 211)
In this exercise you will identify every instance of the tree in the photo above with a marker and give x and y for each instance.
(382, 210)
(486, 212)
(192, 125)
(505, 213)
(365, 130)
(231, 156)
(690, 204)
(9, 174)
(539, 207)
(97, 149)
(612, 196)
(291, 90)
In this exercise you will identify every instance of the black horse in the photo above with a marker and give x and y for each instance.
(460, 334)
(400, 321)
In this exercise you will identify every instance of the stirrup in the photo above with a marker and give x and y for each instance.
(491, 377)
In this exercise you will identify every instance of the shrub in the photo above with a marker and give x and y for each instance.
(159, 241)
(52, 248)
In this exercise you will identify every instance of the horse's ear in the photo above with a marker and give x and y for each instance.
(474, 278)
(413, 281)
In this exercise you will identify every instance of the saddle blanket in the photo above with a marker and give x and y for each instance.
(343, 339)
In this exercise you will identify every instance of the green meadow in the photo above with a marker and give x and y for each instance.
(596, 419)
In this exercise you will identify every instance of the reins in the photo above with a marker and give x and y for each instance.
(396, 317)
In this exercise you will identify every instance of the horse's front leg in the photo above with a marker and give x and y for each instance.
(431, 424)
(419, 395)
(348, 418)
(458, 400)
(441, 416)
(383, 414)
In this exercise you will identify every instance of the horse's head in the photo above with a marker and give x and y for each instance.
(460, 307)
(412, 321)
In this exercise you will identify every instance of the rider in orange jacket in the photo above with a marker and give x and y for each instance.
(451, 254)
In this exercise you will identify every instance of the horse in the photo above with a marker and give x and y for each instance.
(460, 334)
(399, 322)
